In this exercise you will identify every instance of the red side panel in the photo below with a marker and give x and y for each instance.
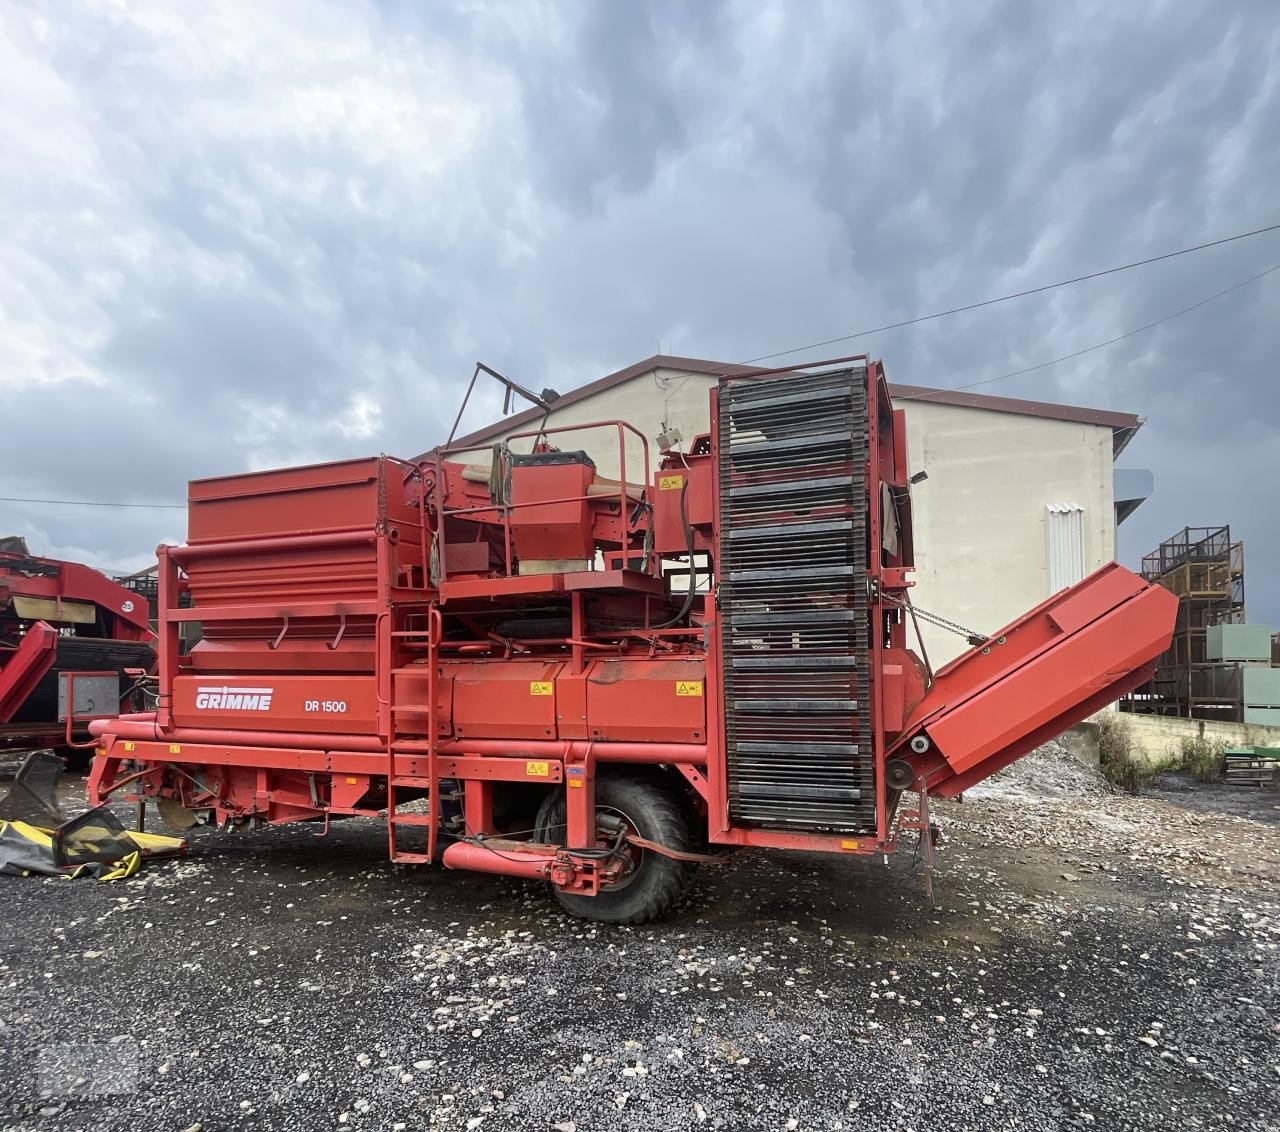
(1079, 651)
(655, 701)
(550, 516)
(307, 500)
(504, 699)
(329, 704)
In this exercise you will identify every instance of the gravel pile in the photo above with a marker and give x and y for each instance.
(1050, 771)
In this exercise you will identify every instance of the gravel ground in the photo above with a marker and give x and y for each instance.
(1094, 960)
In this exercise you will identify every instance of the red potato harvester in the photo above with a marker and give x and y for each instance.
(73, 645)
(532, 670)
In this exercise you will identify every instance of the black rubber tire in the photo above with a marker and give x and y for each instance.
(76, 760)
(658, 882)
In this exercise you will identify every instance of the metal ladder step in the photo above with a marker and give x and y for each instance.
(416, 781)
(410, 819)
(412, 746)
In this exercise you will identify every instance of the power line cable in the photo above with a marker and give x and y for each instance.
(892, 326)
(1015, 295)
(90, 503)
(1108, 342)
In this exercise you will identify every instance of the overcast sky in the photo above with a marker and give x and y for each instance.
(240, 235)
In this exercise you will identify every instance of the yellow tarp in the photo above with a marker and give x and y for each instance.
(102, 851)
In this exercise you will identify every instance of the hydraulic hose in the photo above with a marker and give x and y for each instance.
(693, 579)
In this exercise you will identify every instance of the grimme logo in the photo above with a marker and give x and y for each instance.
(240, 699)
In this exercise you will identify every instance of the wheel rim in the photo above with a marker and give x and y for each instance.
(630, 853)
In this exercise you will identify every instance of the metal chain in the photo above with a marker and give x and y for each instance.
(971, 635)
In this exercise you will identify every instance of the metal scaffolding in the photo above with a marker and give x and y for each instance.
(1204, 569)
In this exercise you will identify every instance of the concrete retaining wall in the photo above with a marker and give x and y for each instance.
(1156, 737)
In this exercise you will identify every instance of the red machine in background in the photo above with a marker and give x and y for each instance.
(529, 669)
(72, 644)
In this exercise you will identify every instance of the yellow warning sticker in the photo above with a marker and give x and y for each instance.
(688, 687)
(130, 746)
(537, 770)
(541, 688)
(175, 749)
(670, 483)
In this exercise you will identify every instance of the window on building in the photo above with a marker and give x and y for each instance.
(1064, 523)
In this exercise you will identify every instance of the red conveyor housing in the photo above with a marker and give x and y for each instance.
(1069, 657)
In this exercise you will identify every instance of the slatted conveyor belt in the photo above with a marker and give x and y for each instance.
(793, 538)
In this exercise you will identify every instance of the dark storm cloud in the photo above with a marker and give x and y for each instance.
(219, 340)
(602, 118)
(246, 235)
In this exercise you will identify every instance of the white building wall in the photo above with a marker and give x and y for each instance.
(982, 547)
(982, 542)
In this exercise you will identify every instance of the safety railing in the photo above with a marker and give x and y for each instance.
(501, 511)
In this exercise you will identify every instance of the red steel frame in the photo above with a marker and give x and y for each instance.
(122, 614)
(349, 604)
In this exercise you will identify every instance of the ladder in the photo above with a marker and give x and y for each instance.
(401, 741)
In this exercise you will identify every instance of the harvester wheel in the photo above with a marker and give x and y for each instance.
(654, 882)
